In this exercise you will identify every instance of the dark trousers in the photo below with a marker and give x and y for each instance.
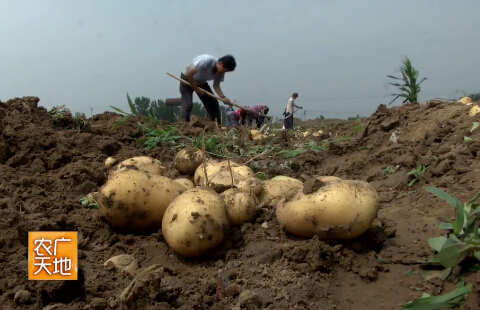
(260, 121)
(288, 121)
(211, 104)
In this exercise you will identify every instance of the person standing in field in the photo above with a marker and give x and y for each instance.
(288, 121)
(202, 69)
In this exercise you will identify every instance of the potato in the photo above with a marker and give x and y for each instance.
(275, 190)
(195, 222)
(187, 160)
(241, 206)
(466, 100)
(474, 110)
(253, 185)
(327, 178)
(219, 176)
(342, 209)
(285, 178)
(185, 183)
(211, 166)
(124, 263)
(142, 163)
(135, 200)
(109, 162)
(92, 197)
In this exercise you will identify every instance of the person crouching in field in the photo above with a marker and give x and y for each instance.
(202, 69)
(288, 121)
(248, 117)
(233, 117)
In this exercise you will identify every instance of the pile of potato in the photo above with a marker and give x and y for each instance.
(195, 216)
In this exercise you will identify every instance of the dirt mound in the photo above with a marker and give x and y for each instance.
(46, 168)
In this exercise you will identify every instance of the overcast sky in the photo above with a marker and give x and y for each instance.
(335, 53)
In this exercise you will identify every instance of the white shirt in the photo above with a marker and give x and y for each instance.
(290, 105)
(204, 65)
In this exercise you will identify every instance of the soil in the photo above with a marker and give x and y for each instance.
(45, 169)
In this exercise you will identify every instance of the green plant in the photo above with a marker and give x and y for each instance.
(463, 243)
(390, 170)
(410, 88)
(417, 173)
(450, 300)
(86, 203)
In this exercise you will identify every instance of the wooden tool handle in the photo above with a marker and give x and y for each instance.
(218, 98)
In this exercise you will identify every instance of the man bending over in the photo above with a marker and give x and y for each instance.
(203, 69)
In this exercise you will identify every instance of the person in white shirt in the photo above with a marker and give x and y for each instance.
(288, 121)
(202, 69)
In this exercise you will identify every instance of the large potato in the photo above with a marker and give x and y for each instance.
(142, 163)
(211, 166)
(327, 178)
(275, 190)
(241, 206)
(253, 185)
(135, 200)
(195, 222)
(187, 160)
(185, 183)
(220, 175)
(342, 209)
(285, 178)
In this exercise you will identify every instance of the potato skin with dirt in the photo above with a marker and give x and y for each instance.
(195, 222)
(187, 160)
(276, 190)
(342, 209)
(240, 206)
(219, 176)
(253, 185)
(185, 183)
(142, 163)
(135, 200)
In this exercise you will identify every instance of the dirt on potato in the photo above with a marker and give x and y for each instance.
(45, 169)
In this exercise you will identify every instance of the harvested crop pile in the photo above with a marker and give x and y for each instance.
(217, 251)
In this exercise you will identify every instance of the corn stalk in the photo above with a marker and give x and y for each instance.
(410, 88)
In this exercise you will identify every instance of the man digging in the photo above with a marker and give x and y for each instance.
(288, 121)
(202, 69)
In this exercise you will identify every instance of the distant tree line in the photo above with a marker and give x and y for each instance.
(160, 110)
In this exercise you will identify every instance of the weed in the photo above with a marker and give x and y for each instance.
(390, 170)
(462, 244)
(417, 173)
(410, 88)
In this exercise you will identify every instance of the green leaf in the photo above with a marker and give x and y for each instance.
(465, 138)
(437, 243)
(444, 225)
(458, 226)
(132, 106)
(450, 241)
(474, 126)
(118, 110)
(476, 211)
(430, 274)
(444, 196)
(476, 254)
(474, 199)
(440, 302)
(451, 255)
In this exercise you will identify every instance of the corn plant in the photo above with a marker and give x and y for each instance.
(410, 88)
